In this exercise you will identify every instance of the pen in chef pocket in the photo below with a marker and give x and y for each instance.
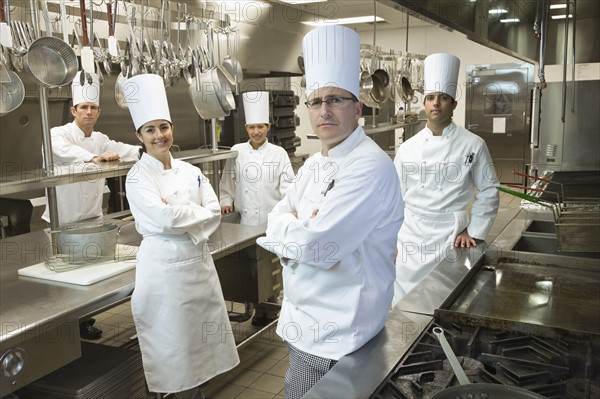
(329, 187)
(469, 158)
(199, 181)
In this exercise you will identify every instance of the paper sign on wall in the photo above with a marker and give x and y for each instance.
(499, 125)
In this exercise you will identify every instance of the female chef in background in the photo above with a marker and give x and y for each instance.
(178, 307)
(256, 179)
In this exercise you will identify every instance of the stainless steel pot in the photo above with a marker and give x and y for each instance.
(12, 93)
(87, 242)
(378, 92)
(51, 62)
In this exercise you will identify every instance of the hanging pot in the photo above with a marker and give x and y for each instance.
(407, 91)
(378, 93)
(12, 93)
(203, 92)
(51, 62)
(383, 76)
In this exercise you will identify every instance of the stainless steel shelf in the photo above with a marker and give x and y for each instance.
(372, 130)
(36, 179)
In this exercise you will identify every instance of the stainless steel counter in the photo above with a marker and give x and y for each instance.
(39, 318)
(27, 302)
(357, 375)
(18, 181)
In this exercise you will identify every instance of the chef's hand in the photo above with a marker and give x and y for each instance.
(314, 213)
(464, 240)
(105, 157)
(226, 209)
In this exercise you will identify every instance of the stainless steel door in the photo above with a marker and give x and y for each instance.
(498, 109)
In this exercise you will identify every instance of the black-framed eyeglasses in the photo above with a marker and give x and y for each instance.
(331, 102)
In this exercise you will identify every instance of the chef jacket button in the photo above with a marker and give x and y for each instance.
(296, 307)
(422, 186)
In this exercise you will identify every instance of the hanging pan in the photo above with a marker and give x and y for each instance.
(51, 62)
(12, 91)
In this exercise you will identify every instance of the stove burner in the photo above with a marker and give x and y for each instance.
(554, 368)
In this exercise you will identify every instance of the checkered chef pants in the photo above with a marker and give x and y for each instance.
(304, 372)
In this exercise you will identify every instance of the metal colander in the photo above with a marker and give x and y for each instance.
(51, 62)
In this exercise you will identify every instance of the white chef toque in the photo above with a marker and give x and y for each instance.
(332, 59)
(256, 107)
(88, 93)
(146, 99)
(441, 74)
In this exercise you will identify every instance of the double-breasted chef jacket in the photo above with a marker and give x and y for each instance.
(338, 270)
(255, 180)
(71, 148)
(439, 177)
(178, 306)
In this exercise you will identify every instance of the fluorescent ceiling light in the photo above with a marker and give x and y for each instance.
(557, 6)
(498, 11)
(302, 1)
(508, 20)
(343, 21)
(562, 16)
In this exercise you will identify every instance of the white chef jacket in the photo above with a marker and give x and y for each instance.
(178, 307)
(255, 180)
(338, 267)
(439, 177)
(70, 150)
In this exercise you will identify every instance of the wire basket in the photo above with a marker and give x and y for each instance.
(578, 232)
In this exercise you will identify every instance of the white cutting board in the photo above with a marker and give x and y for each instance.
(86, 275)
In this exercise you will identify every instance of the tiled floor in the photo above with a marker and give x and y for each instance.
(263, 360)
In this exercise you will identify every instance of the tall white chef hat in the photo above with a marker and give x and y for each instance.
(146, 99)
(441, 74)
(88, 93)
(256, 107)
(332, 59)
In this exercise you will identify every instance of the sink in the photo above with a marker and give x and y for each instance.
(540, 226)
(545, 243)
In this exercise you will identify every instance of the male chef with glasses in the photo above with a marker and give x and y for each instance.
(335, 229)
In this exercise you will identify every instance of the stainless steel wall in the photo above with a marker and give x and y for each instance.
(574, 144)
(21, 130)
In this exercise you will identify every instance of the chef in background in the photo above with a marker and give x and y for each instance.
(443, 170)
(256, 180)
(77, 143)
(73, 145)
(178, 308)
(335, 229)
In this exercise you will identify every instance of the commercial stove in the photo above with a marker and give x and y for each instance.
(527, 320)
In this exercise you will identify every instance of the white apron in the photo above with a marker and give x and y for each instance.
(417, 256)
(179, 311)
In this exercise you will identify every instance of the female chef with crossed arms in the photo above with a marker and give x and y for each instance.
(178, 307)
